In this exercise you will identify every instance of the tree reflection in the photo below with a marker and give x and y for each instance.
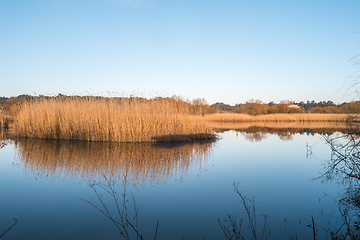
(257, 134)
(344, 164)
(343, 167)
(254, 136)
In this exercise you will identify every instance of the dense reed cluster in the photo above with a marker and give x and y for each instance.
(141, 163)
(4, 120)
(110, 119)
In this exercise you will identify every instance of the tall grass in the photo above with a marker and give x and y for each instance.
(4, 119)
(278, 117)
(108, 119)
(279, 125)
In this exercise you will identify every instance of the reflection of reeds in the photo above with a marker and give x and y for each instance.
(278, 117)
(4, 138)
(125, 120)
(140, 162)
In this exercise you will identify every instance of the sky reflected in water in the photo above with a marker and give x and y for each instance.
(186, 187)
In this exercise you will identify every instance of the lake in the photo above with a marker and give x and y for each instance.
(184, 187)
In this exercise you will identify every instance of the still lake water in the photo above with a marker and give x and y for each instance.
(186, 187)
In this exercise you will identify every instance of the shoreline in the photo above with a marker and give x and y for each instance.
(281, 117)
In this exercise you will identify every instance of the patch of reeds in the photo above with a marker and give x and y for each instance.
(279, 125)
(141, 163)
(278, 117)
(107, 119)
(4, 120)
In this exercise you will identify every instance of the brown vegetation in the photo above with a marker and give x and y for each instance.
(280, 125)
(257, 107)
(2, 119)
(330, 109)
(107, 119)
(93, 118)
(279, 117)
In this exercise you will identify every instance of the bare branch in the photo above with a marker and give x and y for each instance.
(9, 228)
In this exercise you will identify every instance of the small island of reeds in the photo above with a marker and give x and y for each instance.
(157, 119)
(110, 119)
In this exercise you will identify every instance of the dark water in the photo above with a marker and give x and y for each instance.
(184, 187)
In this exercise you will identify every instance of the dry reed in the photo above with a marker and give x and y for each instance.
(141, 163)
(279, 125)
(107, 119)
(4, 120)
(278, 117)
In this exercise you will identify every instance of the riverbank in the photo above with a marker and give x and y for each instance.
(280, 117)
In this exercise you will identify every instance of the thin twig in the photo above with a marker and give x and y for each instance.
(9, 228)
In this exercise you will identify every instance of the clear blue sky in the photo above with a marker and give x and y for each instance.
(226, 51)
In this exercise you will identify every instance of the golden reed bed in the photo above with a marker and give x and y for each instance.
(279, 125)
(135, 120)
(107, 119)
(141, 163)
(278, 117)
(4, 120)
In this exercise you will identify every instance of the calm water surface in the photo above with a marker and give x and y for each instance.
(186, 187)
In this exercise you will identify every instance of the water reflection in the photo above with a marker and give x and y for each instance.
(258, 131)
(146, 163)
(142, 163)
(257, 134)
(4, 138)
(343, 168)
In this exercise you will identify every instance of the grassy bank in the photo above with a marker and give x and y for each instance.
(278, 117)
(107, 119)
(279, 125)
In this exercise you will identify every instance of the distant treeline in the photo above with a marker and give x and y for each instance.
(256, 107)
